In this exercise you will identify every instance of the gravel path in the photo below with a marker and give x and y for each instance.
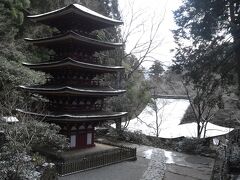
(156, 167)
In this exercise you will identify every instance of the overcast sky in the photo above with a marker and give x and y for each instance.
(161, 10)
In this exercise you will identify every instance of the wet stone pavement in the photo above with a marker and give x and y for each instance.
(152, 164)
(187, 167)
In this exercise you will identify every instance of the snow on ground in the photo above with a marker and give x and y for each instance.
(157, 166)
(169, 157)
(148, 153)
(190, 130)
(170, 113)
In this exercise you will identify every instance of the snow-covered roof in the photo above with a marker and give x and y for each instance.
(96, 116)
(89, 15)
(73, 90)
(71, 38)
(73, 63)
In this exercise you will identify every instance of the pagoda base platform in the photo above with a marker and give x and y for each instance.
(76, 153)
(100, 155)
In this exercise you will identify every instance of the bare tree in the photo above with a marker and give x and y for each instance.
(142, 33)
(204, 102)
(157, 111)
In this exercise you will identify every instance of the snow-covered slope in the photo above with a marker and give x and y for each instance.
(170, 114)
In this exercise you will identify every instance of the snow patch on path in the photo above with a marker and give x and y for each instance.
(156, 167)
(148, 154)
(169, 158)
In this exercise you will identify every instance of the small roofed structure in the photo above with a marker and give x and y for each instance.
(9, 119)
(75, 91)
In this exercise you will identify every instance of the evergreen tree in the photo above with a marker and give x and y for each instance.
(207, 53)
(208, 39)
(16, 152)
(156, 70)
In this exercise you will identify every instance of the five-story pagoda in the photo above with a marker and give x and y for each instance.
(76, 89)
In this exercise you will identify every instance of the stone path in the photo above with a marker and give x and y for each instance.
(156, 167)
(181, 166)
(128, 170)
(152, 164)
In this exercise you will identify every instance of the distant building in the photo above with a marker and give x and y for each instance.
(9, 119)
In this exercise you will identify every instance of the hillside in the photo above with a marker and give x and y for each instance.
(227, 116)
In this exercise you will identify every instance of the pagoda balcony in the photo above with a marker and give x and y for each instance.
(80, 32)
(75, 104)
(76, 56)
(71, 82)
(80, 108)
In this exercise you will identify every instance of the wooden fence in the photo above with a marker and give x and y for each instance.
(91, 161)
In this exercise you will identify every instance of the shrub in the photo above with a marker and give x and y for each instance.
(192, 146)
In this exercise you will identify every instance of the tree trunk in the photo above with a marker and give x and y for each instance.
(198, 130)
(119, 127)
(205, 129)
(237, 60)
(157, 124)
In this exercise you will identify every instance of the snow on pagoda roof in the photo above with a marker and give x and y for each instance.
(97, 116)
(72, 90)
(94, 20)
(71, 38)
(74, 64)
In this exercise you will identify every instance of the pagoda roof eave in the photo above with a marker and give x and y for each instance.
(102, 116)
(67, 90)
(72, 37)
(78, 10)
(72, 63)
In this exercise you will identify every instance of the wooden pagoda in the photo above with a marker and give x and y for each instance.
(76, 91)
